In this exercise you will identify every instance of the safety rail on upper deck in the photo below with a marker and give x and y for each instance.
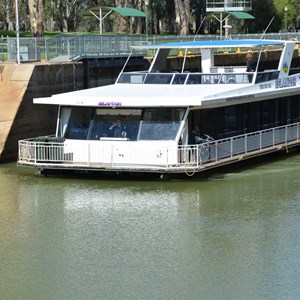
(196, 78)
(128, 155)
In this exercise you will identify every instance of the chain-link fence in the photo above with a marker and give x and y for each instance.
(3, 48)
(30, 49)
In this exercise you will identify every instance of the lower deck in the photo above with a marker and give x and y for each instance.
(134, 156)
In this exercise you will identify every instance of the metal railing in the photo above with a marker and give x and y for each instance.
(228, 5)
(66, 47)
(30, 49)
(251, 142)
(58, 46)
(193, 157)
(197, 78)
(3, 48)
(85, 46)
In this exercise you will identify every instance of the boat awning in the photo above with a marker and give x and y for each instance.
(241, 15)
(210, 44)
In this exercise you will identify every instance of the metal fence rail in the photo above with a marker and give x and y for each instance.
(3, 48)
(75, 47)
(102, 45)
(31, 49)
(58, 46)
(233, 5)
(66, 47)
(193, 157)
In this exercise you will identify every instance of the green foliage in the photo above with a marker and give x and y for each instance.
(67, 16)
(6, 33)
(197, 8)
(264, 11)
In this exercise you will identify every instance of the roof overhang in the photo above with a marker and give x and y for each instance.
(130, 95)
(241, 15)
(211, 44)
(122, 11)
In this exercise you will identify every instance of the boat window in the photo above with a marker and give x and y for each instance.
(179, 78)
(136, 78)
(194, 79)
(65, 113)
(236, 78)
(229, 119)
(158, 78)
(203, 79)
(153, 130)
(163, 114)
(266, 76)
(79, 123)
(160, 124)
(115, 123)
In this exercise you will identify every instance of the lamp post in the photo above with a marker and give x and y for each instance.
(285, 18)
(17, 31)
(146, 9)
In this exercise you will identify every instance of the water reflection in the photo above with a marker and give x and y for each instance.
(234, 236)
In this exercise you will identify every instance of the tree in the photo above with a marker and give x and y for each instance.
(182, 12)
(295, 9)
(35, 9)
(6, 14)
(264, 11)
(123, 26)
(198, 12)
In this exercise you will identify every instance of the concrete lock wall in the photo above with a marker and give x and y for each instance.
(19, 84)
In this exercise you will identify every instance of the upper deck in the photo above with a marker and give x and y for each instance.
(228, 5)
(204, 70)
(189, 71)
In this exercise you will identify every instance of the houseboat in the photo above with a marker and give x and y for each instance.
(193, 108)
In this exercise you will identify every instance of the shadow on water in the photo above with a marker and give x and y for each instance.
(212, 174)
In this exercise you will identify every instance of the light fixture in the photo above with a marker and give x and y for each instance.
(285, 17)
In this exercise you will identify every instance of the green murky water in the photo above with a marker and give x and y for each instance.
(231, 236)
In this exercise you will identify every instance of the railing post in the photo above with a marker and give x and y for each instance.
(285, 134)
(167, 152)
(89, 154)
(46, 49)
(112, 155)
(260, 140)
(68, 48)
(216, 154)
(35, 152)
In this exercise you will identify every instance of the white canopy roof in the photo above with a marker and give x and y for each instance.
(210, 44)
(137, 95)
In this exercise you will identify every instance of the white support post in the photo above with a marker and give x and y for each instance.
(100, 19)
(17, 31)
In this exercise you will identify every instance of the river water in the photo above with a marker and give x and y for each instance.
(231, 236)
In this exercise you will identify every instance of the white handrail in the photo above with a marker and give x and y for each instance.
(133, 155)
